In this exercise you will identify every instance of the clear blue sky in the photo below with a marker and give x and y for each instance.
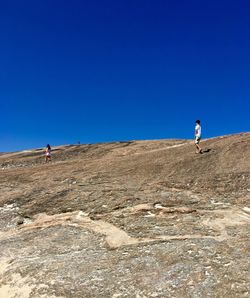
(95, 70)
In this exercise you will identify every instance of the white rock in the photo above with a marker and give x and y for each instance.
(246, 209)
(158, 206)
(117, 295)
(149, 214)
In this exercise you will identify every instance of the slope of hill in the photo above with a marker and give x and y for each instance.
(127, 219)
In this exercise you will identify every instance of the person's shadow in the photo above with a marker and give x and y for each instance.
(206, 150)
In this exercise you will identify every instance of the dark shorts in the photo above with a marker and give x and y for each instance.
(197, 140)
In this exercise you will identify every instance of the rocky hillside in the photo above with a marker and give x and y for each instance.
(127, 219)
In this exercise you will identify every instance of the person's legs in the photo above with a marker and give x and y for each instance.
(198, 148)
(47, 158)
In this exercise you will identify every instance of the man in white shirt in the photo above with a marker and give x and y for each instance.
(198, 136)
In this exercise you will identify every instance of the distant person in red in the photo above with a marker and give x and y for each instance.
(48, 153)
(197, 135)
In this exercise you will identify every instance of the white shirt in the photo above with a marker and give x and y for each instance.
(198, 131)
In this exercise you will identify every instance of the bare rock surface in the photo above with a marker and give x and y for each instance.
(127, 219)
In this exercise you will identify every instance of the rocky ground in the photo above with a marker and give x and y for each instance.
(127, 219)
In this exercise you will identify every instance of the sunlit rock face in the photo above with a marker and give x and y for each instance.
(127, 219)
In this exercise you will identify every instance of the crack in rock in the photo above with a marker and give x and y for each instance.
(115, 237)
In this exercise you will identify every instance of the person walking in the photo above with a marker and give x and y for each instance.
(198, 136)
(48, 153)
